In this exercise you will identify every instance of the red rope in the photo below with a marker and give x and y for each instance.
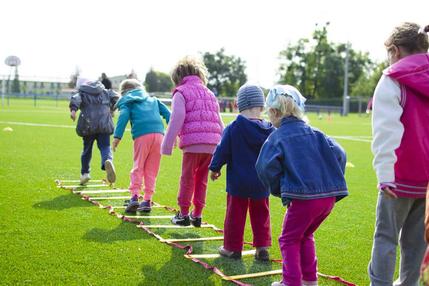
(188, 248)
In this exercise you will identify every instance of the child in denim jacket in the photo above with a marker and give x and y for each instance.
(305, 168)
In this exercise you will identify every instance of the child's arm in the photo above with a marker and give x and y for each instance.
(175, 125)
(387, 129)
(221, 156)
(269, 167)
(164, 111)
(339, 152)
(74, 105)
(114, 97)
(124, 117)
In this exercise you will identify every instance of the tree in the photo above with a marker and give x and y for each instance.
(367, 82)
(316, 66)
(157, 81)
(226, 73)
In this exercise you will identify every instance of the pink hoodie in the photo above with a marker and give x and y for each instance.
(412, 165)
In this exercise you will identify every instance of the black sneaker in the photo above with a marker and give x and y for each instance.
(145, 206)
(262, 254)
(196, 221)
(132, 205)
(180, 219)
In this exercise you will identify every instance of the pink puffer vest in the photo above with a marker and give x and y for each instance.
(412, 165)
(201, 124)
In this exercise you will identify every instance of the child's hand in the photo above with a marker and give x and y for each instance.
(388, 192)
(115, 143)
(214, 175)
(73, 115)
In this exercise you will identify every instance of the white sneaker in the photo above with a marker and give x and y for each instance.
(110, 171)
(309, 283)
(84, 178)
(278, 284)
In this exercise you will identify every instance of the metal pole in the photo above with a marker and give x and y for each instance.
(3, 90)
(346, 82)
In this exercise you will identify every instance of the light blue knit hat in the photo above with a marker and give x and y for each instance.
(284, 90)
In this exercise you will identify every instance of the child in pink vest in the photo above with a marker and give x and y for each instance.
(401, 156)
(196, 120)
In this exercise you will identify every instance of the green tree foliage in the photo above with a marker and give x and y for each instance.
(366, 83)
(157, 81)
(316, 66)
(226, 73)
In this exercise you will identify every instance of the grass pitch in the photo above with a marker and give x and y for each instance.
(50, 236)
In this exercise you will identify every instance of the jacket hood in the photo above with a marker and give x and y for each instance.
(92, 87)
(413, 72)
(260, 129)
(135, 95)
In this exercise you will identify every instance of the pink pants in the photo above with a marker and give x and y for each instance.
(235, 221)
(297, 241)
(193, 182)
(147, 155)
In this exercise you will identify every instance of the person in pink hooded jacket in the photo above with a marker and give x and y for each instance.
(196, 120)
(400, 146)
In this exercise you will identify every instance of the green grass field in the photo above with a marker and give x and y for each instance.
(49, 236)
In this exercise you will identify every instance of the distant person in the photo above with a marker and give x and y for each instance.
(95, 123)
(401, 157)
(196, 120)
(241, 142)
(305, 168)
(144, 114)
(369, 105)
(106, 81)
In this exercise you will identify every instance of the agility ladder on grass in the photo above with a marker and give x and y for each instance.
(113, 194)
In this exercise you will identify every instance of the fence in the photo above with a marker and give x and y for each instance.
(227, 104)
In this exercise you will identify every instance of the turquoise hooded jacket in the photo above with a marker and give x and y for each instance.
(144, 113)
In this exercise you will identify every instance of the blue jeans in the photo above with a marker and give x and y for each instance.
(103, 144)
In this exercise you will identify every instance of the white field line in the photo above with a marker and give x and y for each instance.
(350, 138)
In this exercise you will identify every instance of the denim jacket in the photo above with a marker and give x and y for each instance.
(300, 162)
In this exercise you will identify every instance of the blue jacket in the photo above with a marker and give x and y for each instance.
(300, 162)
(143, 111)
(239, 148)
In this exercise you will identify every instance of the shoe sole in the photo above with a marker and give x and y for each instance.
(182, 224)
(132, 209)
(144, 210)
(110, 171)
(83, 182)
(232, 256)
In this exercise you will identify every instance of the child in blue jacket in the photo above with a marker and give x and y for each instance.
(239, 148)
(306, 169)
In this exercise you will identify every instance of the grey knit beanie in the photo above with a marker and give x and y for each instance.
(249, 96)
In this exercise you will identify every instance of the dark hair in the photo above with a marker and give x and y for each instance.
(410, 37)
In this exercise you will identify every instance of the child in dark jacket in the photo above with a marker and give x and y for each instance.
(239, 149)
(95, 123)
(305, 168)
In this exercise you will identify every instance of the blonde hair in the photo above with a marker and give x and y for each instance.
(286, 107)
(409, 36)
(129, 84)
(189, 66)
